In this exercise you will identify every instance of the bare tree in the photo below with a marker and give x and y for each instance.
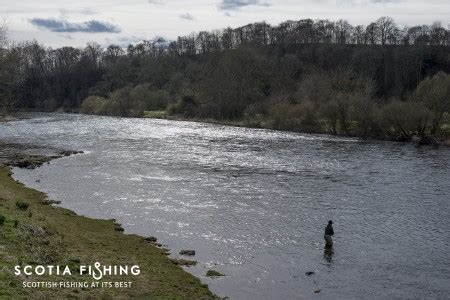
(358, 35)
(438, 34)
(386, 28)
(371, 33)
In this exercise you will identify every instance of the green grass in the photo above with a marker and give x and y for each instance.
(155, 114)
(57, 236)
(22, 205)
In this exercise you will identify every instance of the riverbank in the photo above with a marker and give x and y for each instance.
(35, 232)
(7, 118)
(261, 123)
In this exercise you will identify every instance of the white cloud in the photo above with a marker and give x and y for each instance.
(238, 4)
(156, 2)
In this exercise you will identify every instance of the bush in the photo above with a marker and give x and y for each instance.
(295, 117)
(434, 93)
(96, 105)
(120, 103)
(366, 114)
(143, 98)
(2, 220)
(93, 105)
(127, 102)
(186, 106)
(405, 118)
(22, 205)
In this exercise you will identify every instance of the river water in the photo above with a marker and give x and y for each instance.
(254, 203)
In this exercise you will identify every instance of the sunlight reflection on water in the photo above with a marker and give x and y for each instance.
(253, 203)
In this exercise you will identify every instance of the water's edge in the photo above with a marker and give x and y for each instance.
(17, 156)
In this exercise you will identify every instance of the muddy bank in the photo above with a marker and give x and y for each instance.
(30, 156)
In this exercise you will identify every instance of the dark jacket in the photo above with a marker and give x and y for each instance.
(329, 230)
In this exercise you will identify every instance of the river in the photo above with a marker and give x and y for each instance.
(254, 203)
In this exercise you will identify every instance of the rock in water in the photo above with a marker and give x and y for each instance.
(69, 152)
(187, 252)
(213, 273)
(151, 239)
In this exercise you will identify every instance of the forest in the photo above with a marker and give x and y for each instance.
(316, 76)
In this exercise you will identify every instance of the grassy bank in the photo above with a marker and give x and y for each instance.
(42, 234)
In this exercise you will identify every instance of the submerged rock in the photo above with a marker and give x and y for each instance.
(183, 262)
(29, 161)
(118, 227)
(50, 202)
(187, 252)
(309, 273)
(69, 152)
(151, 239)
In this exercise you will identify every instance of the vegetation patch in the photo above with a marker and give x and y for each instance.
(183, 262)
(155, 114)
(49, 202)
(22, 205)
(213, 273)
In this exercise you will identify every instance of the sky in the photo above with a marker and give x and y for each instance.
(57, 23)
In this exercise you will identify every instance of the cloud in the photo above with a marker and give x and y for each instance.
(237, 4)
(66, 36)
(81, 11)
(364, 2)
(92, 26)
(187, 16)
(124, 41)
(156, 2)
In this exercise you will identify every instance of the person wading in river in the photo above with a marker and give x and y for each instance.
(329, 232)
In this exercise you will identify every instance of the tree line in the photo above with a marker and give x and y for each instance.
(315, 76)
